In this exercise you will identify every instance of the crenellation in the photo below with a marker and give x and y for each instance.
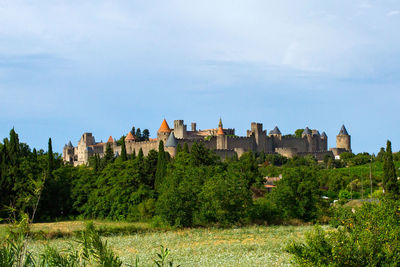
(221, 140)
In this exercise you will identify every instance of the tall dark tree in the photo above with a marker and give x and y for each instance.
(50, 159)
(186, 148)
(161, 166)
(124, 156)
(146, 135)
(178, 148)
(133, 156)
(138, 134)
(133, 131)
(140, 154)
(109, 155)
(390, 183)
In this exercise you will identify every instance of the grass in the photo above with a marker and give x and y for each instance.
(70, 228)
(245, 246)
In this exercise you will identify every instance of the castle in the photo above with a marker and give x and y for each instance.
(221, 140)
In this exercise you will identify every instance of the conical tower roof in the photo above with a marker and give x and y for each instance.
(110, 139)
(275, 131)
(130, 137)
(164, 128)
(323, 135)
(343, 131)
(171, 141)
(70, 144)
(220, 131)
(306, 131)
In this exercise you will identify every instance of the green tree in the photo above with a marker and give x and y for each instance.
(298, 133)
(146, 135)
(50, 159)
(109, 155)
(186, 148)
(390, 183)
(161, 166)
(124, 156)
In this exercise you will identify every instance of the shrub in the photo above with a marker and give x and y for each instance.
(366, 237)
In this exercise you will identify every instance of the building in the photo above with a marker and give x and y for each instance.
(221, 140)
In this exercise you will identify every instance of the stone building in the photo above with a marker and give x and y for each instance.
(221, 140)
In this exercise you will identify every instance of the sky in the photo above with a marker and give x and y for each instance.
(68, 67)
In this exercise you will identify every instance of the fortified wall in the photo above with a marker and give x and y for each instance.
(221, 140)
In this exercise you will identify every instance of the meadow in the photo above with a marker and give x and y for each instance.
(243, 246)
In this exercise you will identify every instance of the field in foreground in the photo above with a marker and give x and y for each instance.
(245, 246)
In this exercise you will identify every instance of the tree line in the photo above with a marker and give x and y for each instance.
(193, 188)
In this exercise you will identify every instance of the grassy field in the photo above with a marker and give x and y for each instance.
(245, 246)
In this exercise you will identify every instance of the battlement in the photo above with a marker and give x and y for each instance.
(226, 144)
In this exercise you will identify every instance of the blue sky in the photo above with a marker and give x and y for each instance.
(67, 67)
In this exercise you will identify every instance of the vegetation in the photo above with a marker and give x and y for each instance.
(196, 188)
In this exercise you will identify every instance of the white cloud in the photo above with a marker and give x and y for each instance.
(393, 13)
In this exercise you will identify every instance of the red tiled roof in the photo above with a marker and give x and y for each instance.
(130, 137)
(164, 128)
(110, 139)
(220, 131)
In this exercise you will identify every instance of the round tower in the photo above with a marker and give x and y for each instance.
(171, 144)
(343, 139)
(163, 132)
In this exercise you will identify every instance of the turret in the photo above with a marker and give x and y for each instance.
(164, 131)
(171, 144)
(275, 132)
(221, 138)
(180, 130)
(343, 139)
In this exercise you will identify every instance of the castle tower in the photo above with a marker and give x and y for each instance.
(275, 132)
(163, 132)
(343, 139)
(171, 144)
(307, 134)
(221, 138)
(324, 142)
(180, 130)
(68, 153)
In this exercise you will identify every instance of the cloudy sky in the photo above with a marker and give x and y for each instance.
(67, 67)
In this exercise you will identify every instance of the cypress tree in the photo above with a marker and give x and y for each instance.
(109, 155)
(186, 148)
(140, 154)
(390, 183)
(138, 134)
(161, 166)
(50, 159)
(124, 156)
(13, 148)
(178, 148)
(133, 156)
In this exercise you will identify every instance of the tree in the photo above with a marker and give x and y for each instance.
(186, 148)
(140, 154)
(138, 134)
(390, 183)
(109, 155)
(50, 159)
(161, 166)
(146, 135)
(124, 156)
(298, 133)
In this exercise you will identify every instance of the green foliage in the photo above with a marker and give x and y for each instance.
(366, 237)
(124, 155)
(298, 133)
(297, 195)
(161, 166)
(390, 183)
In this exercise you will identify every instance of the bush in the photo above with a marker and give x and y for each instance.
(264, 210)
(368, 236)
